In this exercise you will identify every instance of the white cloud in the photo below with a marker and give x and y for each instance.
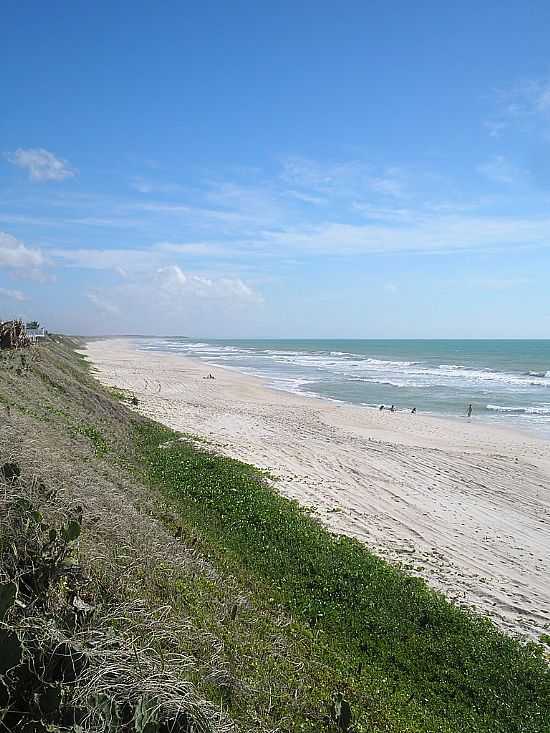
(173, 281)
(499, 170)
(340, 179)
(194, 214)
(526, 105)
(171, 299)
(386, 186)
(254, 204)
(236, 288)
(41, 164)
(311, 174)
(106, 259)
(14, 294)
(129, 263)
(144, 185)
(543, 100)
(495, 127)
(198, 249)
(384, 213)
(536, 94)
(102, 304)
(221, 206)
(97, 221)
(426, 234)
(14, 254)
(308, 198)
(391, 182)
(385, 231)
(501, 283)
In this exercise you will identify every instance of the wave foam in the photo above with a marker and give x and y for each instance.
(520, 410)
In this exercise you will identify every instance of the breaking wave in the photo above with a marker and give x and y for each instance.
(437, 380)
(520, 410)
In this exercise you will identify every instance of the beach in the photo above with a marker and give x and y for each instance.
(462, 504)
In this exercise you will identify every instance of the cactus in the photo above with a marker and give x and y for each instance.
(71, 530)
(341, 712)
(11, 471)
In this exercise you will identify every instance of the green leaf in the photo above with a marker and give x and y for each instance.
(8, 591)
(341, 712)
(10, 650)
(68, 563)
(144, 718)
(50, 699)
(24, 505)
(11, 471)
(109, 711)
(71, 530)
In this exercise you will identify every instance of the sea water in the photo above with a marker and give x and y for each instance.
(506, 382)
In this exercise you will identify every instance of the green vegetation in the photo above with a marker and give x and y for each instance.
(118, 394)
(444, 668)
(195, 572)
(98, 441)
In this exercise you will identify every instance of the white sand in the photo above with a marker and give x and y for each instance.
(464, 505)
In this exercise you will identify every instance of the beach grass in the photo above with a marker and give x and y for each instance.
(287, 627)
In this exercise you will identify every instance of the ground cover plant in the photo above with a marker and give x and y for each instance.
(441, 665)
(278, 625)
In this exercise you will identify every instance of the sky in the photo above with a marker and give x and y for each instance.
(254, 169)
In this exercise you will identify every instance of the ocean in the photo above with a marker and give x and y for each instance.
(507, 382)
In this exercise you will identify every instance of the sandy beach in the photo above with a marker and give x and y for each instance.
(462, 504)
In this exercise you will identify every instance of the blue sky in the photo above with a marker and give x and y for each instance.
(375, 169)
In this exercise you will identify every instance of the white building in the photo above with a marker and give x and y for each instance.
(35, 334)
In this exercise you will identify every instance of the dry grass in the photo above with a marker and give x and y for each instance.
(87, 658)
(54, 421)
(121, 547)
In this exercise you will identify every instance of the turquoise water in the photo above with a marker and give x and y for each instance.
(507, 382)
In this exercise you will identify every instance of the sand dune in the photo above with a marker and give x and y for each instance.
(463, 505)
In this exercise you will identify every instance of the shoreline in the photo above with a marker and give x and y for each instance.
(466, 506)
(511, 430)
(422, 414)
(516, 419)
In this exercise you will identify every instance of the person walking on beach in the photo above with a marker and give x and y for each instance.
(392, 408)
(470, 410)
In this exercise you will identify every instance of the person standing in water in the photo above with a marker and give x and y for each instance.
(470, 409)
